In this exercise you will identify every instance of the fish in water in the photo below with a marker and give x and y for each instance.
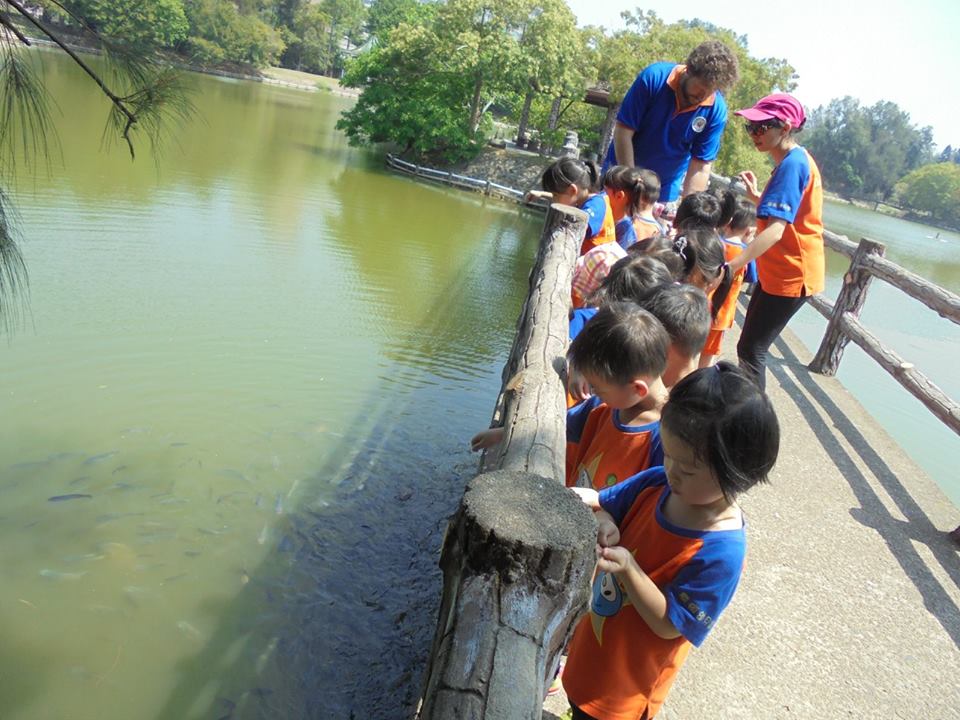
(99, 458)
(57, 575)
(70, 496)
(189, 630)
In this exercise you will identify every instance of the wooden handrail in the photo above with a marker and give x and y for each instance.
(843, 324)
(938, 299)
(918, 384)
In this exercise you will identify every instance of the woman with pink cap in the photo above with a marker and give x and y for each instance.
(788, 247)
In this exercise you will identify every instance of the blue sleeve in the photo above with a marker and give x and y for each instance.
(626, 234)
(781, 198)
(706, 147)
(577, 418)
(656, 448)
(596, 209)
(618, 499)
(704, 587)
(638, 97)
(579, 318)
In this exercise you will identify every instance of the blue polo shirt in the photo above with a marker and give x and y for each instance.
(666, 137)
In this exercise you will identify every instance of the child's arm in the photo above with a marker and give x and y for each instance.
(486, 439)
(608, 534)
(648, 600)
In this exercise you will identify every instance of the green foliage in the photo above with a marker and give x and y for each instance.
(158, 23)
(242, 38)
(307, 45)
(864, 151)
(385, 15)
(933, 189)
(408, 100)
(344, 20)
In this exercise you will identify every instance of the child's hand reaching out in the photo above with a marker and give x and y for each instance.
(614, 559)
(486, 439)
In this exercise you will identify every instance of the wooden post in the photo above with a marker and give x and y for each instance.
(518, 554)
(852, 296)
(516, 563)
(532, 404)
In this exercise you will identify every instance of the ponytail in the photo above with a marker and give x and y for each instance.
(565, 172)
(641, 186)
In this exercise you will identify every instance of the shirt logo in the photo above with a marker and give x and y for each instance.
(699, 123)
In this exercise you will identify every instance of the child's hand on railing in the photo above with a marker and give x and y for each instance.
(486, 439)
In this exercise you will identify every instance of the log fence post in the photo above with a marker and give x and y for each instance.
(852, 296)
(518, 554)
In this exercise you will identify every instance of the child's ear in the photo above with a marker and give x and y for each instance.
(640, 387)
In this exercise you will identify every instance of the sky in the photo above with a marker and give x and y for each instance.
(904, 52)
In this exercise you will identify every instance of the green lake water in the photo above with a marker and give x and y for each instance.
(262, 360)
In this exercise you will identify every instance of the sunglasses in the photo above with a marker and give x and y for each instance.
(758, 128)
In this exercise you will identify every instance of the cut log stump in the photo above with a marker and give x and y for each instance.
(516, 562)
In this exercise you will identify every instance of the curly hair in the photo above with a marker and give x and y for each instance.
(714, 63)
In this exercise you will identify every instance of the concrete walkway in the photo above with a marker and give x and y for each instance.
(850, 603)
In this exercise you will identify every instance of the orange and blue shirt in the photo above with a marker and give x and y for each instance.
(723, 319)
(665, 135)
(794, 266)
(600, 225)
(617, 666)
(602, 451)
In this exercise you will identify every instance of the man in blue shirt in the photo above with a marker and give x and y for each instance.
(672, 117)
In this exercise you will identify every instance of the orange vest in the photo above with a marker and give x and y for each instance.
(608, 233)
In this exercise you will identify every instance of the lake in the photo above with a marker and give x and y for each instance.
(237, 417)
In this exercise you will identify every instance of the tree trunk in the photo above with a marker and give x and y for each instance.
(525, 115)
(606, 134)
(554, 114)
(475, 104)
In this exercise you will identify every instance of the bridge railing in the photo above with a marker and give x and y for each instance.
(519, 551)
(867, 261)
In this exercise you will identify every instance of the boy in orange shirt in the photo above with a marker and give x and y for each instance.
(621, 353)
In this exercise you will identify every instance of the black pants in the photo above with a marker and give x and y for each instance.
(767, 316)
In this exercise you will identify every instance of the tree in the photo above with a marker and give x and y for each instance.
(411, 98)
(219, 32)
(145, 94)
(553, 57)
(863, 151)
(158, 23)
(934, 189)
(946, 155)
(344, 20)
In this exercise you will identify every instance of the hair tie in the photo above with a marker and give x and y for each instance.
(680, 247)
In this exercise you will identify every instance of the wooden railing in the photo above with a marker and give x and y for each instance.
(867, 262)
(487, 187)
(518, 554)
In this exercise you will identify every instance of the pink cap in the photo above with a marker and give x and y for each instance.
(779, 106)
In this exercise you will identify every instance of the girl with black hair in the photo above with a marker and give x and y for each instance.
(671, 544)
(575, 182)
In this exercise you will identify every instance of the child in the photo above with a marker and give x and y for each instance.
(573, 182)
(710, 208)
(671, 544)
(629, 280)
(621, 353)
(701, 252)
(633, 193)
(738, 232)
(614, 434)
(684, 312)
